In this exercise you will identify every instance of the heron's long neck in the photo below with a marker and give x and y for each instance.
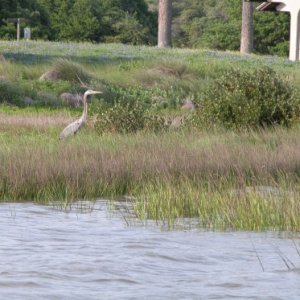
(85, 107)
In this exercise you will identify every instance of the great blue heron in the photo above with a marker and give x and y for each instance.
(76, 125)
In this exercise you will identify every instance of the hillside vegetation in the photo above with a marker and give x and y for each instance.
(139, 141)
(159, 81)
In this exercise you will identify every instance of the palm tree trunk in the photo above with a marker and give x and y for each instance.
(247, 27)
(165, 24)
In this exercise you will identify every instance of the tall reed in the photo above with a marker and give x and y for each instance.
(215, 176)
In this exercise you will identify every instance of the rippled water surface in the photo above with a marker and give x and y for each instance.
(95, 253)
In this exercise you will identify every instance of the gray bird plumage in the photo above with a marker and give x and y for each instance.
(72, 128)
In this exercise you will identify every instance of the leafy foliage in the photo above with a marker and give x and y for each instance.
(217, 25)
(156, 98)
(128, 117)
(271, 33)
(10, 92)
(81, 20)
(129, 30)
(249, 98)
(33, 13)
(209, 23)
(41, 93)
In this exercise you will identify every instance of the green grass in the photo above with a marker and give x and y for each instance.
(215, 177)
(221, 207)
(225, 179)
(132, 66)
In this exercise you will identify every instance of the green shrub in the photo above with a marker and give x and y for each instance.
(242, 98)
(42, 93)
(10, 92)
(154, 97)
(129, 30)
(128, 117)
(54, 87)
(121, 118)
(155, 123)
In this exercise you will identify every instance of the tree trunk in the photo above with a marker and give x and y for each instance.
(247, 27)
(165, 24)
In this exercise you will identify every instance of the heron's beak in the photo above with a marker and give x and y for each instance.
(97, 92)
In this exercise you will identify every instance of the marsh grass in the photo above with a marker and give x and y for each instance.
(220, 207)
(7, 71)
(71, 71)
(212, 176)
(35, 120)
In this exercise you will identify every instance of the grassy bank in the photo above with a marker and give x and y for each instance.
(246, 179)
(160, 78)
(226, 179)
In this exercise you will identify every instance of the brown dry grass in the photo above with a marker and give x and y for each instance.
(92, 166)
(37, 120)
(212, 175)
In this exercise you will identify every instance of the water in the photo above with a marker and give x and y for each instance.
(93, 253)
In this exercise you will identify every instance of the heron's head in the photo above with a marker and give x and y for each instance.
(91, 92)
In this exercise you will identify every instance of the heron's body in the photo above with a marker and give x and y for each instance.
(72, 128)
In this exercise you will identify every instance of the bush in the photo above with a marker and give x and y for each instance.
(249, 99)
(130, 31)
(71, 71)
(150, 97)
(42, 93)
(10, 92)
(128, 117)
(155, 123)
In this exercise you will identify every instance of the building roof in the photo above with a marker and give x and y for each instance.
(267, 6)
